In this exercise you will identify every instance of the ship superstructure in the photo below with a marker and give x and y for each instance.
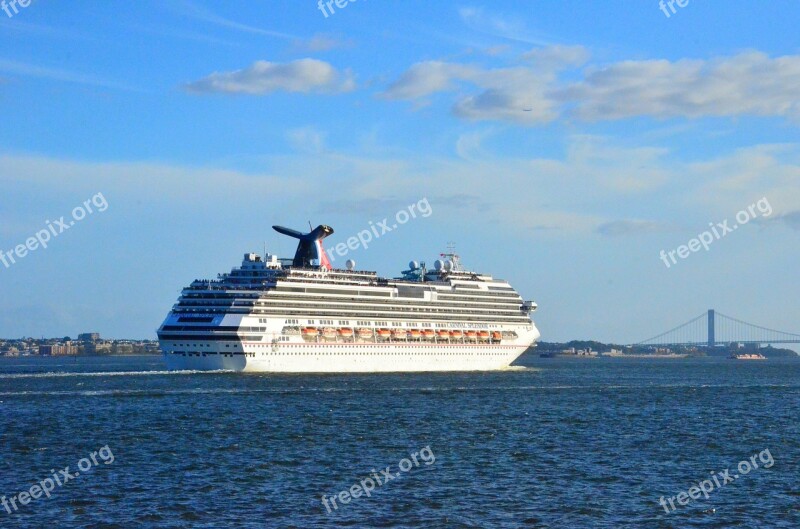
(301, 315)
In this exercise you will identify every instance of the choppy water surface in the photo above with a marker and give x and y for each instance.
(563, 443)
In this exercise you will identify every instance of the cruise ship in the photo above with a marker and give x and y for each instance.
(301, 315)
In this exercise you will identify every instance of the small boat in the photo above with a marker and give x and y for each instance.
(472, 335)
(346, 332)
(483, 335)
(398, 334)
(329, 332)
(497, 335)
(384, 333)
(428, 334)
(456, 334)
(310, 331)
(444, 334)
(415, 334)
(365, 333)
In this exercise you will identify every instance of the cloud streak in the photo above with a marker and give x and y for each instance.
(263, 77)
(200, 13)
(54, 74)
(621, 228)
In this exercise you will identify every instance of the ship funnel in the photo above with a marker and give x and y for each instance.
(310, 245)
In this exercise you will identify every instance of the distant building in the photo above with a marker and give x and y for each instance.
(89, 337)
(98, 348)
(121, 348)
(57, 350)
(10, 351)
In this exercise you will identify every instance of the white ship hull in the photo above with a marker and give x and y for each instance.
(353, 358)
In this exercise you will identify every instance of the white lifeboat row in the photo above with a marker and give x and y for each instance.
(364, 333)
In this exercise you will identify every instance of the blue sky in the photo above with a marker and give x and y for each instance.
(562, 145)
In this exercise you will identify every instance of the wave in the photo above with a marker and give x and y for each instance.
(59, 374)
(424, 389)
(147, 392)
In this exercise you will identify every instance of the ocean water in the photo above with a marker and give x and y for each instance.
(556, 443)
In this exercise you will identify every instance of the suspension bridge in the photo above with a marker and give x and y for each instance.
(713, 328)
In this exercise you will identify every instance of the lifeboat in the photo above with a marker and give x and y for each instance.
(444, 334)
(365, 333)
(346, 332)
(497, 335)
(399, 335)
(456, 334)
(384, 333)
(415, 334)
(329, 332)
(472, 335)
(483, 335)
(428, 334)
(310, 331)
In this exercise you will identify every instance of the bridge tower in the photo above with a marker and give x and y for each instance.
(712, 340)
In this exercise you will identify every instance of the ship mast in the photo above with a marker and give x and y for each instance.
(452, 256)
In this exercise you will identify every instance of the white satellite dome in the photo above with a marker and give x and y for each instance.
(439, 264)
(350, 264)
(413, 265)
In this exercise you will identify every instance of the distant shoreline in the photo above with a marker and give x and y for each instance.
(30, 347)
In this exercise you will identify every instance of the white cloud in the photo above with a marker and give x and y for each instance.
(513, 94)
(263, 77)
(519, 103)
(748, 84)
(427, 78)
